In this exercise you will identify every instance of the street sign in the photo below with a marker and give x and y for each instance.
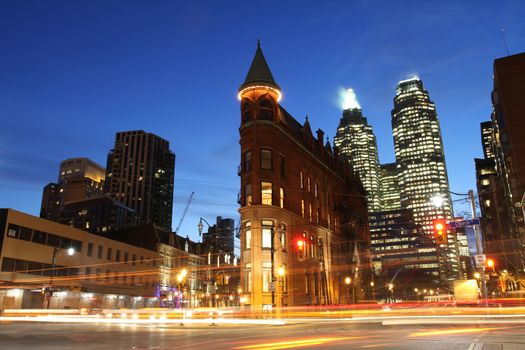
(464, 223)
(480, 260)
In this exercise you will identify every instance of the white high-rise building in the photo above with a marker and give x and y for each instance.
(357, 143)
(423, 179)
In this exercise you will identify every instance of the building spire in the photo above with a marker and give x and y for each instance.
(259, 73)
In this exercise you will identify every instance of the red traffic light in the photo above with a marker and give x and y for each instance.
(439, 226)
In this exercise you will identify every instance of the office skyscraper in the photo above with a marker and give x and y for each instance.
(389, 189)
(357, 144)
(139, 173)
(423, 179)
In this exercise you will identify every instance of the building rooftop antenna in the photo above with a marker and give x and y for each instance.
(505, 41)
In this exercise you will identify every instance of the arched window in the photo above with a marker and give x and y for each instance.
(245, 112)
(266, 110)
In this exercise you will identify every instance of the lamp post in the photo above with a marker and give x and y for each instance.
(70, 252)
(348, 280)
(281, 272)
(272, 251)
(180, 279)
(391, 290)
(208, 271)
(479, 247)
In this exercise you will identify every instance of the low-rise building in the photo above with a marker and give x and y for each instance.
(37, 271)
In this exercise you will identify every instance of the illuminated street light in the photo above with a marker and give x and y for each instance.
(348, 280)
(477, 275)
(437, 201)
(70, 251)
(281, 271)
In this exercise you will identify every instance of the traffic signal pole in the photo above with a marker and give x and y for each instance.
(479, 248)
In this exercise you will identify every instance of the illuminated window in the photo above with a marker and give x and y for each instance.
(266, 110)
(248, 278)
(281, 197)
(309, 187)
(266, 193)
(266, 279)
(302, 208)
(301, 178)
(310, 212)
(316, 193)
(267, 231)
(266, 159)
(247, 235)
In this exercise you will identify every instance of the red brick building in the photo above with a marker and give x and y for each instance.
(303, 211)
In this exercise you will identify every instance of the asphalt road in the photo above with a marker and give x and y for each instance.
(308, 335)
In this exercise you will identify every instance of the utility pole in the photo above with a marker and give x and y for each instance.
(479, 248)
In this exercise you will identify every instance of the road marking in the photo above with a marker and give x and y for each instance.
(376, 345)
(451, 331)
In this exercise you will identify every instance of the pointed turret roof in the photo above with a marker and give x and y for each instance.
(259, 73)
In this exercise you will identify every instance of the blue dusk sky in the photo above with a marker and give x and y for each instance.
(73, 73)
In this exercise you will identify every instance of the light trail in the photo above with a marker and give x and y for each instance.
(291, 344)
(159, 319)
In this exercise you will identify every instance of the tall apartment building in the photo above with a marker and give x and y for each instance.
(422, 169)
(140, 172)
(495, 218)
(303, 212)
(78, 179)
(500, 175)
(357, 144)
(509, 145)
(487, 139)
(220, 237)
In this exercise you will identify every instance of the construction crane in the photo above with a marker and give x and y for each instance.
(184, 212)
